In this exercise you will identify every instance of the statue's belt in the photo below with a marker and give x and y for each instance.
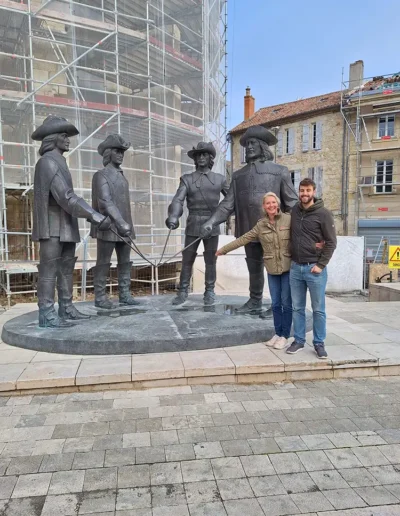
(199, 212)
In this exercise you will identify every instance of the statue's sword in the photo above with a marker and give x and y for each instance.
(133, 246)
(165, 246)
(179, 252)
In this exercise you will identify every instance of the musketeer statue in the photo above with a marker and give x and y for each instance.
(202, 191)
(55, 224)
(248, 186)
(110, 196)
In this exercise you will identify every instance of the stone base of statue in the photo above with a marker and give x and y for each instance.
(154, 326)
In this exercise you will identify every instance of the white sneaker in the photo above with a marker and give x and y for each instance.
(271, 342)
(281, 343)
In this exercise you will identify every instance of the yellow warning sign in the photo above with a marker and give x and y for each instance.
(394, 257)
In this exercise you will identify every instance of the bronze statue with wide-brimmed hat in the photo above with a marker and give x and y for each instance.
(202, 191)
(56, 209)
(110, 196)
(248, 186)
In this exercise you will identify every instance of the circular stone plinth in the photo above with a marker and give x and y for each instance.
(154, 326)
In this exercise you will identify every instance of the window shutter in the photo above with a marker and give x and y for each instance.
(291, 135)
(318, 143)
(306, 135)
(311, 173)
(318, 179)
(280, 143)
(297, 179)
(242, 154)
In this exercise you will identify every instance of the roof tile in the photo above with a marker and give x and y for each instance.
(270, 114)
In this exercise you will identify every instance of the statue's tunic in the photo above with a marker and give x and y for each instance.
(202, 193)
(247, 189)
(110, 197)
(55, 201)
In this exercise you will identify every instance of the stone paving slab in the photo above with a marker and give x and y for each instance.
(191, 450)
(379, 354)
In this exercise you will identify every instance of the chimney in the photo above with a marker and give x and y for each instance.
(356, 74)
(249, 103)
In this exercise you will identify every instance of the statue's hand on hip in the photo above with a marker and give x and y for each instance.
(206, 230)
(172, 223)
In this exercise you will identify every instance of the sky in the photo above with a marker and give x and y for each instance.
(290, 49)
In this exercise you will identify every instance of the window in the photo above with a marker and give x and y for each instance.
(312, 136)
(296, 178)
(315, 173)
(386, 126)
(289, 141)
(384, 176)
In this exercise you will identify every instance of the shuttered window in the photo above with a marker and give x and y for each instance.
(316, 136)
(305, 139)
(316, 174)
(289, 140)
(242, 154)
(279, 145)
(296, 178)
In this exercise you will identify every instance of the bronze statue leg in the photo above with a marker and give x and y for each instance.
(188, 258)
(65, 284)
(124, 274)
(100, 273)
(210, 260)
(50, 253)
(255, 266)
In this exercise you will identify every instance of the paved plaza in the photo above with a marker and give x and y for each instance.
(316, 447)
(244, 431)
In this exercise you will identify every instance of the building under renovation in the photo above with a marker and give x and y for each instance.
(152, 70)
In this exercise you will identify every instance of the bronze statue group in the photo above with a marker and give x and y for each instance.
(294, 249)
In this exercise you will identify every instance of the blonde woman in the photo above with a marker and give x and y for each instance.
(273, 233)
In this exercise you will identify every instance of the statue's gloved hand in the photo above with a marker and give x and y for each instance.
(124, 229)
(101, 221)
(172, 223)
(206, 230)
(105, 224)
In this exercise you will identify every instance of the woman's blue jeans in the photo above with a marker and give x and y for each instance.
(279, 289)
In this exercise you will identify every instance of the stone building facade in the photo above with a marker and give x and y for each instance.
(371, 110)
(310, 143)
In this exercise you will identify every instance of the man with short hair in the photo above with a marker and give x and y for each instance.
(311, 224)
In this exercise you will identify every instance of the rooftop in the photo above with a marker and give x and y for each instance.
(271, 114)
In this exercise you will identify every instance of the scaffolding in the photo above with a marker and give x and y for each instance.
(151, 70)
(362, 100)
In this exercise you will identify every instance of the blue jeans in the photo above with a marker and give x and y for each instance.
(279, 288)
(302, 278)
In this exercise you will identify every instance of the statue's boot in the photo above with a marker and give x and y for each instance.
(124, 284)
(210, 261)
(100, 275)
(65, 284)
(46, 286)
(256, 275)
(184, 280)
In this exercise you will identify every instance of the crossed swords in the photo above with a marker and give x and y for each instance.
(130, 242)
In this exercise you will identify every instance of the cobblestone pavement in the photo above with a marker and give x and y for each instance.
(323, 447)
